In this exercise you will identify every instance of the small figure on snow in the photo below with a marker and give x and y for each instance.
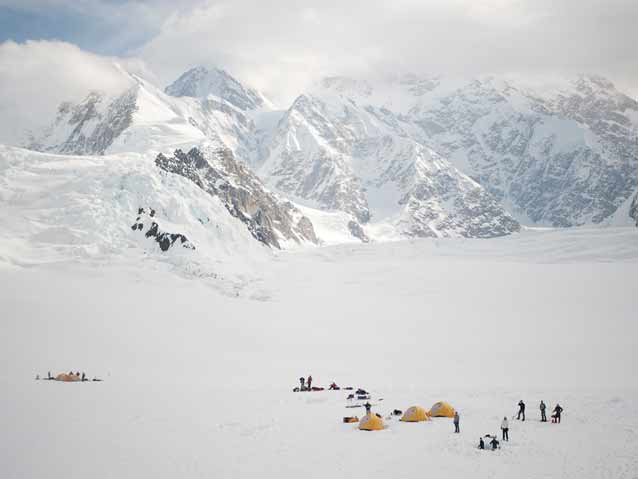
(494, 443)
(309, 382)
(456, 422)
(505, 427)
(542, 408)
(557, 412)
(521, 410)
(302, 381)
(368, 406)
(481, 443)
(334, 387)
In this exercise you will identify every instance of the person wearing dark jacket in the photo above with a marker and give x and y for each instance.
(481, 443)
(542, 408)
(309, 382)
(368, 406)
(302, 381)
(456, 422)
(521, 409)
(557, 412)
(494, 443)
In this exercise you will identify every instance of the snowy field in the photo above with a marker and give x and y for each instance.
(197, 381)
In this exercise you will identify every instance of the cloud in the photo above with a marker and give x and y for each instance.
(36, 76)
(281, 46)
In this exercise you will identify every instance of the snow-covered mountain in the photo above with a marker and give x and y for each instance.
(215, 170)
(562, 154)
(201, 82)
(403, 155)
(144, 118)
(559, 152)
(341, 153)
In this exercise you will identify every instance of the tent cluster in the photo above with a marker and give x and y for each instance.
(374, 422)
(69, 377)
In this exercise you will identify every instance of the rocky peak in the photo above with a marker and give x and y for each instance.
(346, 86)
(200, 82)
(89, 127)
(215, 170)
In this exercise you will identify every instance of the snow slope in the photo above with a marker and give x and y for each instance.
(64, 209)
(198, 383)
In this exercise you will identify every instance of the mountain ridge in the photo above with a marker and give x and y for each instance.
(562, 154)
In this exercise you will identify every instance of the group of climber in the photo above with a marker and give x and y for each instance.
(505, 426)
(493, 443)
(306, 385)
(543, 408)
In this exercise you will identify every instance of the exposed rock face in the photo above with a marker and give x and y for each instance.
(215, 170)
(633, 209)
(357, 231)
(359, 158)
(444, 202)
(153, 230)
(563, 156)
(306, 165)
(201, 82)
(89, 127)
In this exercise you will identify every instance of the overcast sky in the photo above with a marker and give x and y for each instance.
(279, 46)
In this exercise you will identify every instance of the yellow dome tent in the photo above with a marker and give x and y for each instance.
(415, 414)
(371, 422)
(442, 409)
(67, 378)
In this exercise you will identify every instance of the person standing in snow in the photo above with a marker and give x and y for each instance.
(521, 409)
(309, 382)
(456, 422)
(557, 412)
(494, 443)
(505, 427)
(368, 407)
(302, 381)
(481, 443)
(542, 408)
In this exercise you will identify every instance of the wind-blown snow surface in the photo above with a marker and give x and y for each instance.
(198, 383)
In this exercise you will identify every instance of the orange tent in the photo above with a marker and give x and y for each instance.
(67, 378)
